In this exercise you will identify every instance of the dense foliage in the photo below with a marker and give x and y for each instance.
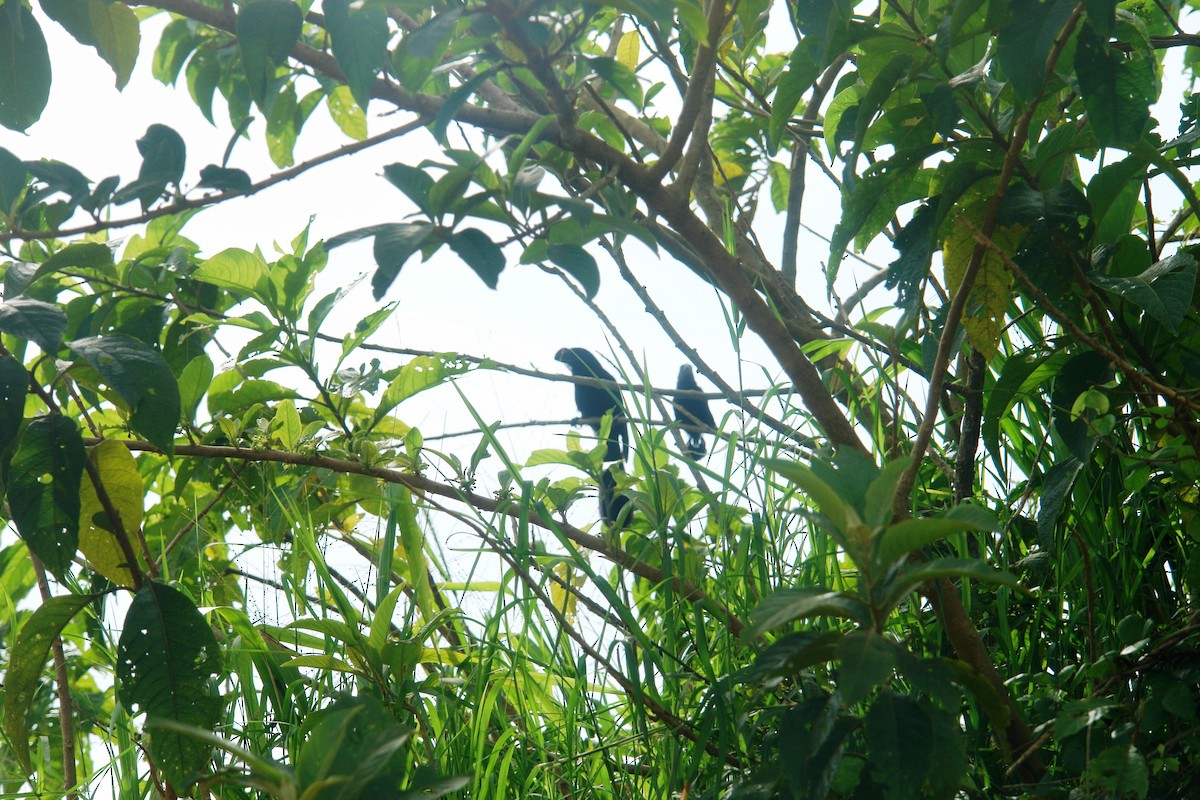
(952, 554)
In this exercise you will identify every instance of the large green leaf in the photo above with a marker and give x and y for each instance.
(14, 384)
(578, 263)
(41, 323)
(359, 33)
(421, 50)
(267, 30)
(43, 489)
(13, 177)
(788, 605)
(1164, 291)
(394, 244)
(897, 733)
(1023, 45)
(25, 663)
(24, 67)
(480, 252)
(419, 374)
(111, 28)
(900, 539)
(1117, 89)
(167, 662)
(235, 269)
(868, 659)
(140, 376)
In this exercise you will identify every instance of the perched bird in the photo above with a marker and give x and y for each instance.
(611, 503)
(693, 413)
(594, 402)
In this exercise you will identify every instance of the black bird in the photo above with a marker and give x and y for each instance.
(594, 402)
(611, 503)
(693, 414)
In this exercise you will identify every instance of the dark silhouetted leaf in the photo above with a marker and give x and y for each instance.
(24, 68)
(43, 489)
(394, 244)
(138, 373)
(167, 660)
(360, 34)
(481, 254)
(267, 30)
(41, 323)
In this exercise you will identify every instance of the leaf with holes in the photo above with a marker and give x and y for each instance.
(140, 376)
(43, 489)
(167, 662)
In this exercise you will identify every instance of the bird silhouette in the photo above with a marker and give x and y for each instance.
(693, 414)
(594, 402)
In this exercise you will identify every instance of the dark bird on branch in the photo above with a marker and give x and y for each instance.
(611, 503)
(594, 402)
(693, 414)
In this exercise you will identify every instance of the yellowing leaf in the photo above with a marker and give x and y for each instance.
(629, 50)
(347, 114)
(726, 170)
(123, 484)
(987, 305)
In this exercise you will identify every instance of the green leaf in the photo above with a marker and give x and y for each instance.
(13, 177)
(419, 374)
(193, 383)
(1024, 44)
(900, 539)
(828, 501)
(480, 253)
(897, 733)
(620, 77)
(138, 373)
(394, 244)
(413, 181)
(1101, 14)
(347, 114)
(26, 661)
(800, 74)
(578, 263)
(352, 751)
(1164, 291)
(176, 44)
(267, 30)
(421, 50)
(14, 384)
(118, 37)
(122, 483)
(286, 424)
(41, 323)
(1117, 90)
(24, 67)
(43, 489)
(359, 32)
(222, 402)
(788, 605)
(913, 575)
(881, 494)
(868, 659)
(412, 538)
(235, 269)
(167, 663)
(282, 128)
(1056, 487)
(1120, 770)
(453, 103)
